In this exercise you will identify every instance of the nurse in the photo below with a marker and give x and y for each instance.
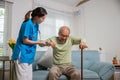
(25, 48)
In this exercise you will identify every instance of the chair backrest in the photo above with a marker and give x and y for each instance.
(90, 57)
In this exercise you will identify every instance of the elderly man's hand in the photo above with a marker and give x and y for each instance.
(52, 44)
(82, 45)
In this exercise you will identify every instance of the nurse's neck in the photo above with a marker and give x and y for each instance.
(34, 21)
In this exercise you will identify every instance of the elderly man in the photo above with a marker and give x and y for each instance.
(62, 46)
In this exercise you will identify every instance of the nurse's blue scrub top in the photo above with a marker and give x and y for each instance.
(26, 52)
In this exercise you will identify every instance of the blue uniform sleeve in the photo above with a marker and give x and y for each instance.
(26, 30)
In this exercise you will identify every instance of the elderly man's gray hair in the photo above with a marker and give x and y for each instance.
(64, 28)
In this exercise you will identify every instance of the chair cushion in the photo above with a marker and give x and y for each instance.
(87, 74)
(43, 74)
(63, 77)
(40, 75)
(46, 60)
(104, 69)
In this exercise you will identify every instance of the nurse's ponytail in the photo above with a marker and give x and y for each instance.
(39, 11)
(27, 16)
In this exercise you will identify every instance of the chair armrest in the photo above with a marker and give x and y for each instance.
(104, 69)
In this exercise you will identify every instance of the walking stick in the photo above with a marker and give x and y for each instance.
(82, 64)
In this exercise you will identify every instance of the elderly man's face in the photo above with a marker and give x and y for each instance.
(63, 35)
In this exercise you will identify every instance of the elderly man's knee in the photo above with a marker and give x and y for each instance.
(52, 73)
(75, 74)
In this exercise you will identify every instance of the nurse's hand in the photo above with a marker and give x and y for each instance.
(41, 43)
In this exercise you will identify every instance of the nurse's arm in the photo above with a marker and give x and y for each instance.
(27, 41)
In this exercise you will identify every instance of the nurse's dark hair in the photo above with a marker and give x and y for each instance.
(39, 11)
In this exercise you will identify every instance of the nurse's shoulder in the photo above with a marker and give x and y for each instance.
(26, 23)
